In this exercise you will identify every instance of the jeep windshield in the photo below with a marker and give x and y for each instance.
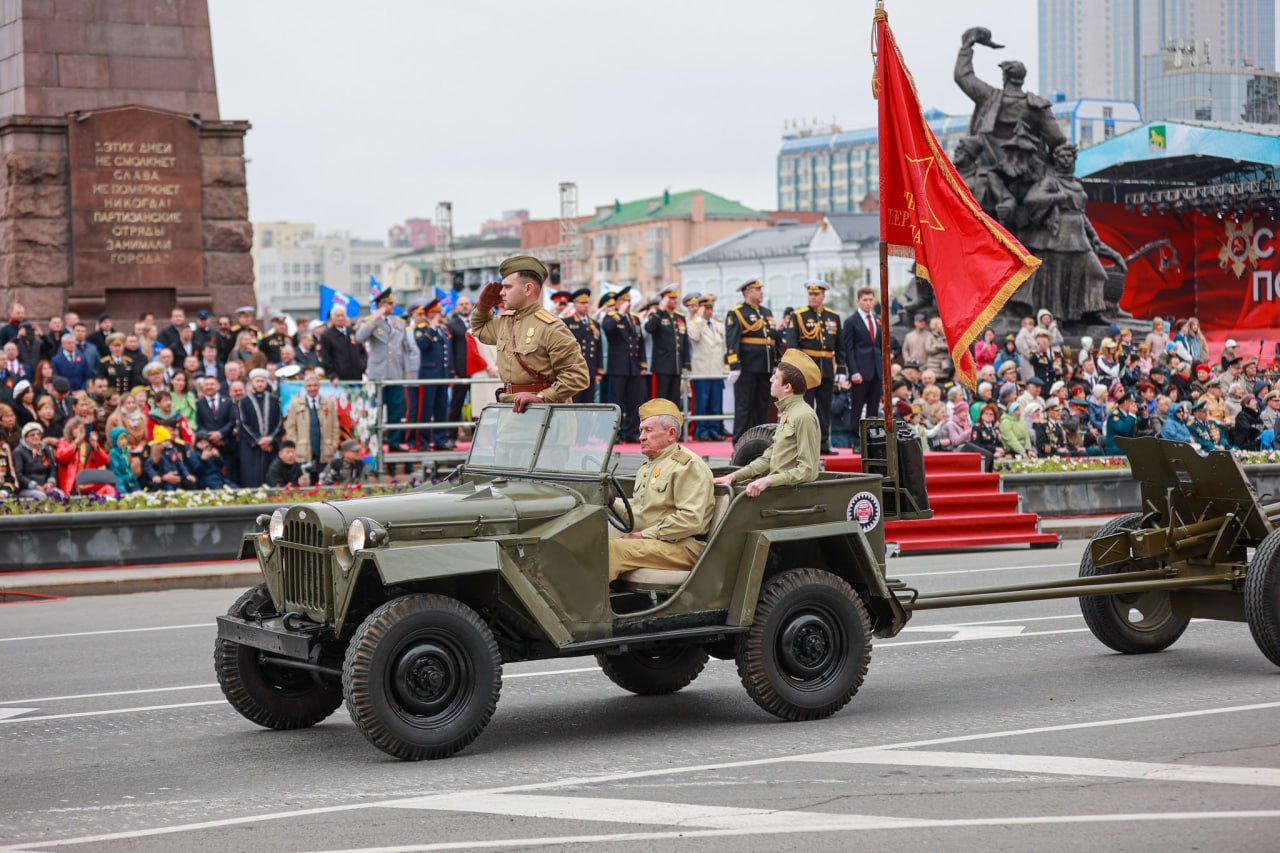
(545, 439)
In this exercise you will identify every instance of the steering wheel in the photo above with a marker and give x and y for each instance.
(621, 521)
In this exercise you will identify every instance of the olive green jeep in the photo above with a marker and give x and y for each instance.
(407, 606)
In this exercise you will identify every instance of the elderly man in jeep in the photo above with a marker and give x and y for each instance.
(672, 499)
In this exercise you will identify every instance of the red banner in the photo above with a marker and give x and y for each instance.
(928, 213)
(1225, 272)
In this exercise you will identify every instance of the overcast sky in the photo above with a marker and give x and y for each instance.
(367, 113)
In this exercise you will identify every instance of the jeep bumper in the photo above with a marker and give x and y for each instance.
(270, 636)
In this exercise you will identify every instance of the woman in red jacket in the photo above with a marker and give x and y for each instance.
(77, 452)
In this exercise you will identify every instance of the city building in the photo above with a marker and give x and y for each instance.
(472, 262)
(1181, 82)
(842, 249)
(1098, 48)
(291, 262)
(415, 233)
(832, 170)
(507, 226)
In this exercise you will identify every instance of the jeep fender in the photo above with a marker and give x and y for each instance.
(848, 555)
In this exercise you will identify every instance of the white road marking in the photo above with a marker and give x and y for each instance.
(1057, 765)
(968, 632)
(109, 693)
(112, 711)
(897, 574)
(112, 631)
(894, 645)
(6, 713)
(509, 675)
(611, 810)
(576, 781)
(800, 826)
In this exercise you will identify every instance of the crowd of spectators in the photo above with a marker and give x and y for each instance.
(1040, 396)
(172, 406)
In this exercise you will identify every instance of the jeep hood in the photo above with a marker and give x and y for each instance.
(463, 503)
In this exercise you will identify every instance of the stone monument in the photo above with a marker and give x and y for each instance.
(122, 189)
(1020, 169)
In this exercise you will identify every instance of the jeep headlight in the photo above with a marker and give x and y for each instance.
(275, 527)
(357, 536)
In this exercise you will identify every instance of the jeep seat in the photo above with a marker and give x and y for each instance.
(664, 580)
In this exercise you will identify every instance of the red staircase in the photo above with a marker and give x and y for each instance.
(969, 510)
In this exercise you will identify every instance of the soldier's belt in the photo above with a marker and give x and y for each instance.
(763, 341)
(818, 353)
(527, 388)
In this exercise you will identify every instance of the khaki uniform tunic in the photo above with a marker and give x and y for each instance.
(793, 456)
(673, 502)
(542, 341)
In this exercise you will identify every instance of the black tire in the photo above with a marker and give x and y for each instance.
(1109, 617)
(1262, 597)
(808, 648)
(422, 677)
(273, 697)
(752, 444)
(654, 672)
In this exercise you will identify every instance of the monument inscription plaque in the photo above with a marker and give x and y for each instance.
(136, 225)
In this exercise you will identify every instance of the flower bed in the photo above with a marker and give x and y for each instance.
(193, 500)
(1056, 465)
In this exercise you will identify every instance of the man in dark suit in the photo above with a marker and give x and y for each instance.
(341, 355)
(459, 324)
(863, 335)
(171, 336)
(204, 330)
(214, 415)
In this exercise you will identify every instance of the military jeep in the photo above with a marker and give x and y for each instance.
(407, 606)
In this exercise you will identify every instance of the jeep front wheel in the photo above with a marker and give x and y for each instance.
(654, 672)
(422, 677)
(271, 696)
(808, 648)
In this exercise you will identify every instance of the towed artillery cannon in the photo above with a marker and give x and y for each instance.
(1186, 556)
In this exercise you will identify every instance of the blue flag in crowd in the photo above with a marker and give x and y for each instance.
(374, 288)
(330, 299)
(448, 298)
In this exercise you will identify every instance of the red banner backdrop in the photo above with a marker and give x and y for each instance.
(1225, 272)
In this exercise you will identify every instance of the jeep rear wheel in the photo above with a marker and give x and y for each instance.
(654, 672)
(808, 648)
(271, 696)
(422, 677)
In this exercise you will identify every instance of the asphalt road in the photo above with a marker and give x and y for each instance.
(986, 728)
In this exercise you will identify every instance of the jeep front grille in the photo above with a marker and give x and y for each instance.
(306, 562)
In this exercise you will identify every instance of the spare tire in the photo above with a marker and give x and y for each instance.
(752, 444)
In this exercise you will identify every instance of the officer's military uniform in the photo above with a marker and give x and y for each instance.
(1050, 435)
(1206, 435)
(625, 368)
(238, 327)
(673, 501)
(792, 458)
(272, 344)
(670, 358)
(537, 354)
(122, 375)
(586, 331)
(816, 333)
(751, 344)
(435, 361)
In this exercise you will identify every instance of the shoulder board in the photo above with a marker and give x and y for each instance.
(681, 456)
(545, 316)
(104, 358)
(802, 310)
(613, 314)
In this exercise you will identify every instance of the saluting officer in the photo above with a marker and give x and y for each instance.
(244, 322)
(278, 339)
(815, 331)
(626, 362)
(587, 333)
(560, 303)
(670, 336)
(435, 361)
(121, 370)
(751, 344)
(538, 358)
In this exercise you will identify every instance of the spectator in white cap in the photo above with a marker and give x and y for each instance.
(1228, 352)
(260, 426)
(1044, 320)
(33, 465)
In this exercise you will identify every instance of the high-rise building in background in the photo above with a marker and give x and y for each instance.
(1182, 82)
(415, 233)
(1100, 48)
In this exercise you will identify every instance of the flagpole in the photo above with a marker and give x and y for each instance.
(885, 350)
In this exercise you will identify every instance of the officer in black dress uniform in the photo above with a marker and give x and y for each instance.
(751, 344)
(277, 339)
(121, 370)
(670, 336)
(626, 367)
(815, 331)
(587, 332)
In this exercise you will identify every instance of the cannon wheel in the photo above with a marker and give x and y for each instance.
(1262, 597)
(752, 444)
(1135, 623)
